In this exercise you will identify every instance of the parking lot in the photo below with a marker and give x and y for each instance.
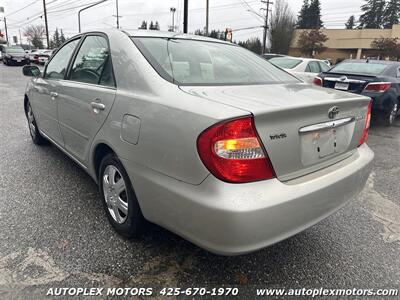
(54, 231)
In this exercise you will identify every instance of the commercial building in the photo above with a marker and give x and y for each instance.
(348, 43)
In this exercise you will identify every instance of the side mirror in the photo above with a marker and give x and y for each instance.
(31, 71)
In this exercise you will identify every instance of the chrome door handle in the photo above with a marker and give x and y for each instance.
(53, 95)
(97, 106)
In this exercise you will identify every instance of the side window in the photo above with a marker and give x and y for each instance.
(324, 67)
(92, 63)
(57, 67)
(313, 67)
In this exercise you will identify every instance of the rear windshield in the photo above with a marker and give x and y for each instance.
(286, 63)
(191, 62)
(15, 50)
(359, 68)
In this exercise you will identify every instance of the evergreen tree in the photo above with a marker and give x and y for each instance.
(373, 13)
(303, 18)
(315, 15)
(144, 25)
(392, 14)
(62, 37)
(350, 23)
(310, 15)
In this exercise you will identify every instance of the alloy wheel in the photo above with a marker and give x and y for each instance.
(115, 194)
(31, 121)
(393, 114)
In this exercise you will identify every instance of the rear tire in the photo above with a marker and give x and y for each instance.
(37, 138)
(390, 117)
(119, 199)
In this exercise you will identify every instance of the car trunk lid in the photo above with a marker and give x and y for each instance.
(294, 124)
(354, 83)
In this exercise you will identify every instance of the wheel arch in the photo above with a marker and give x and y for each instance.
(100, 151)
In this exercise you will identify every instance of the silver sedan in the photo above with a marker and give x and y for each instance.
(199, 136)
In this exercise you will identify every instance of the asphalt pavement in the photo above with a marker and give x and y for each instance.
(54, 232)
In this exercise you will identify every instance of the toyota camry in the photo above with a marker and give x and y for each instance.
(200, 136)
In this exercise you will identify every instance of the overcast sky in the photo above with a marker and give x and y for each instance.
(223, 14)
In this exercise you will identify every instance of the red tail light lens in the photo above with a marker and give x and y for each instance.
(232, 152)
(317, 81)
(378, 87)
(364, 135)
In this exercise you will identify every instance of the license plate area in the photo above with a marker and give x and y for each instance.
(323, 144)
(342, 86)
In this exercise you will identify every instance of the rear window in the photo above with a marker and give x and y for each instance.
(15, 50)
(191, 62)
(285, 63)
(359, 68)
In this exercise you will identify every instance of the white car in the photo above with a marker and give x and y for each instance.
(304, 68)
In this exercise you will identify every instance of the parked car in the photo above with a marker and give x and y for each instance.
(200, 136)
(44, 56)
(377, 79)
(304, 68)
(34, 55)
(14, 56)
(268, 56)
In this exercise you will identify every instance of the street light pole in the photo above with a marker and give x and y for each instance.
(45, 21)
(207, 13)
(185, 16)
(173, 10)
(87, 7)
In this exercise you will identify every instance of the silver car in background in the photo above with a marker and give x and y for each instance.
(199, 136)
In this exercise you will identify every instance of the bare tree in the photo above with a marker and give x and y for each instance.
(281, 27)
(35, 34)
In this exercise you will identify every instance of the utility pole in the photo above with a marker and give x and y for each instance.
(185, 15)
(207, 14)
(45, 21)
(20, 37)
(116, 3)
(5, 25)
(173, 10)
(268, 3)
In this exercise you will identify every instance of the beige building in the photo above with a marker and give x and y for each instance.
(348, 43)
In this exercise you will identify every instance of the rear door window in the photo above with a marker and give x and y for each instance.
(313, 67)
(92, 63)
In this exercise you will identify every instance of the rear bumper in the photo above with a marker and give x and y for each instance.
(233, 219)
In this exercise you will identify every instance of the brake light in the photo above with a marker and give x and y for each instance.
(378, 87)
(232, 151)
(317, 81)
(364, 135)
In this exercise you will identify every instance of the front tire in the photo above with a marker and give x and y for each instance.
(119, 199)
(37, 138)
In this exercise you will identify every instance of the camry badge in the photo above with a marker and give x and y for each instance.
(343, 78)
(333, 112)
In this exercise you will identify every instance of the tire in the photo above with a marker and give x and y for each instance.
(389, 118)
(119, 199)
(37, 138)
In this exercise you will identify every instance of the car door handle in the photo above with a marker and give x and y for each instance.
(97, 106)
(53, 95)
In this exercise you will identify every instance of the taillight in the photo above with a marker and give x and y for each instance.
(364, 135)
(317, 81)
(378, 87)
(232, 151)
